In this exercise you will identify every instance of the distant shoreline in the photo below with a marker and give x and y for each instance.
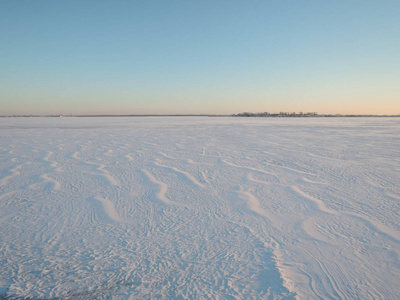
(306, 115)
(241, 115)
(108, 116)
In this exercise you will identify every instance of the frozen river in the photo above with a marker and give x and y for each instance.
(200, 208)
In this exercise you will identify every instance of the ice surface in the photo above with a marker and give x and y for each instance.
(200, 208)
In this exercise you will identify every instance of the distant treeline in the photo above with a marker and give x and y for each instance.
(281, 114)
(301, 114)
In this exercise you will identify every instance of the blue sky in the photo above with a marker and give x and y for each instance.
(138, 57)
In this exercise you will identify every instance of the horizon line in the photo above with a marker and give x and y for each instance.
(245, 115)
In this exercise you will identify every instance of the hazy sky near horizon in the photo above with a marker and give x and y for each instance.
(138, 57)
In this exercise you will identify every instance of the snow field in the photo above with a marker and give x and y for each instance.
(220, 208)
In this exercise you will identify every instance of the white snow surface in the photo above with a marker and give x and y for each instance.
(199, 208)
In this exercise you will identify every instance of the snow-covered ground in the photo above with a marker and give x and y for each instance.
(200, 208)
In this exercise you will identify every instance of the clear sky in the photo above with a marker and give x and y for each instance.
(138, 57)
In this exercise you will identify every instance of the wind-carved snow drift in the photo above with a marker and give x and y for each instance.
(199, 208)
